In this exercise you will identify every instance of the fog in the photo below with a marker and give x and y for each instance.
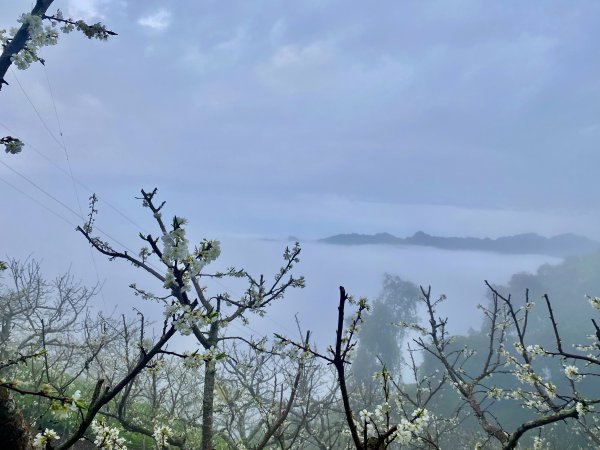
(459, 275)
(258, 122)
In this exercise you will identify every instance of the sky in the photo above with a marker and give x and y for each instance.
(317, 117)
(312, 118)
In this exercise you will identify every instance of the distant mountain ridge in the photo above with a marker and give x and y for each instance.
(567, 244)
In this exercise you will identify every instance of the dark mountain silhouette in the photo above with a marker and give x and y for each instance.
(528, 243)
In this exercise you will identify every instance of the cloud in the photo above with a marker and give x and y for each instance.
(296, 68)
(87, 9)
(159, 20)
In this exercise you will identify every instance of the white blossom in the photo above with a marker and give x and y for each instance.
(495, 393)
(12, 145)
(364, 414)
(595, 302)
(161, 435)
(572, 373)
(42, 439)
(107, 437)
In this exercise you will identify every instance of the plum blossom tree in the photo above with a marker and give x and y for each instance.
(510, 369)
(369, 430)
(480, 377)
(187, 302)
(38, 321)
(256, 394)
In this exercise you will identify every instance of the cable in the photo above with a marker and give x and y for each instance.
(35, 109)
(64, 205)
(73, 184)
(67, 207)
(38, 202)
(64, 146)
(80, 183)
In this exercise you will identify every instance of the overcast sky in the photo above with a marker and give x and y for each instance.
(309, 118)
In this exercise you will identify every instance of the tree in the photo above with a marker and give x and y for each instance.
(482, 378)
(508, 370)
(339, 357)
(51, 344)
(38, 320)
(378, 342)
(256, 392)
(187, 303)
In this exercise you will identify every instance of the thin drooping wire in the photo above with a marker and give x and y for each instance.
(73, 184)
(64, 145)
(63, 204)
(61, 145)
(36, 110)
(33, 199)
(89, 190)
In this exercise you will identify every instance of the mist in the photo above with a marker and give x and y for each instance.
(450, 145)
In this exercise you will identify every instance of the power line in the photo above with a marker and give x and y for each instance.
(64, 205)
(64, 146)
(73, 184)
(79, 182)
(35, 109)
(63, 218)
(52, 197)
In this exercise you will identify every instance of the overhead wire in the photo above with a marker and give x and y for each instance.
(73, 184)
(64, 145)
(60, 216)
(68, 173)
(64, 205)
(79, 182)
(39, 116)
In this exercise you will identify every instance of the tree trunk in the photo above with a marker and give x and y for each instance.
(210, 371)
(14, 431)
(208, 398)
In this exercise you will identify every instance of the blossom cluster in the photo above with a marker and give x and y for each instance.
(405, 430)
(42, 440)
(196, 359)
(176, 254)
(187, 317)
(595, 302)
(107, 437)
(408, 428)
(41, 36)
(572, 373)
(12, 145)
(161, 435)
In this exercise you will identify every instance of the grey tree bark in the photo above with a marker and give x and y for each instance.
(208, 398)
